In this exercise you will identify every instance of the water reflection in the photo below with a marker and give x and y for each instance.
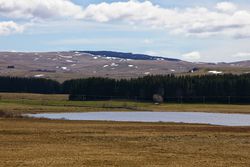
(177, 117)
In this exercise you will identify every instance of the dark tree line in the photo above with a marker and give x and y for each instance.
(209, 88)
(215, 88)
(29, 85)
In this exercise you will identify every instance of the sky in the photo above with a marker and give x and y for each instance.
(192, 30)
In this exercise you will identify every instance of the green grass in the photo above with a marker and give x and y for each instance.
(37, 103)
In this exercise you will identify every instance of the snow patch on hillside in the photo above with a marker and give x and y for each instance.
(215, 72)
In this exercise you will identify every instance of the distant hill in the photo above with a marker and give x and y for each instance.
(132, 56)
(82, 64)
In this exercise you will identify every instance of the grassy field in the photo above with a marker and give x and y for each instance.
(37, 103)
(40, 143)
(60, 143)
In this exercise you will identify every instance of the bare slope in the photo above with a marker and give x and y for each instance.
(67, 65)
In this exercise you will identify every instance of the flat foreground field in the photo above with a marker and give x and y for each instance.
(60, 143)
(42, 143)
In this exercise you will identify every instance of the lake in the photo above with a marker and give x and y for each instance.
(174, 117)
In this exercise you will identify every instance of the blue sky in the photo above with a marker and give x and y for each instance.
(194, 30)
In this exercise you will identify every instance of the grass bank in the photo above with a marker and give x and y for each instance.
(38, 103)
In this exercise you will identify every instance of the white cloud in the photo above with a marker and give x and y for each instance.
(152, 53)
(10, 27)
(39, 9)
(192, 56)
(148, 41)
(197, 21)
(242, 55)
(226, 6)
(225, 19)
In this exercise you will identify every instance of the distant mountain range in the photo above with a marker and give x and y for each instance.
(81, 64)
(132, 56)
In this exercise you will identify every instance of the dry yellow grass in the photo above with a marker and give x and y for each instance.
(32, 96)
(42, 143)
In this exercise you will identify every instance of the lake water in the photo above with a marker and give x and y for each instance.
(176, 117)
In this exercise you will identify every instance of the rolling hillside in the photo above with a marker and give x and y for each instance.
(81, 64)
